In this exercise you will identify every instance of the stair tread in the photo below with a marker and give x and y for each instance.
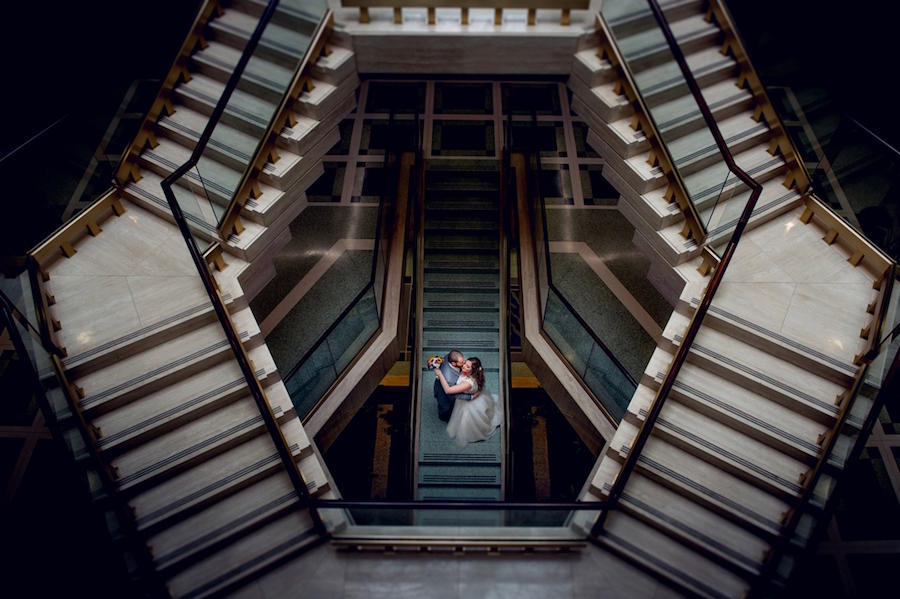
(711, 484)
(239, 560)
(731, 401)
(220, 519)
(284, 40)
(649, 42)
(711, 439)
(224, 58)
(229, 140)
(688, 519)
(745, 359)
(242, 105)
(671, 558)
(665, 77)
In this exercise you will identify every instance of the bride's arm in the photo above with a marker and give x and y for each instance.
(463, 387)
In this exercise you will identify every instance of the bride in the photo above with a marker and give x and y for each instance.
(473, 420)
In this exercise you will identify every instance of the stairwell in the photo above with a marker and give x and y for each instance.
(746, 421)
(157, 380)
(461, 310)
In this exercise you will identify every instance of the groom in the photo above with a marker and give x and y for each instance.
(450, 368)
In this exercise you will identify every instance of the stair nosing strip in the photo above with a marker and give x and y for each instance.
(667, 83)
(200, 95)
(779, 337)
(88, 401)
(711, 148)
(831, 409)
(684, 527)
(218, 532)
(734, 505)
(724, 453)
(160, 323)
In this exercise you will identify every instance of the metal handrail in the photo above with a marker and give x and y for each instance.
(569, 307)
(209, 284)
(681, 355)
(422, 504)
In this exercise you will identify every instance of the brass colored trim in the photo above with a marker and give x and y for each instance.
(659, 151)
(230, 222)
(84, 223)
(127, 170)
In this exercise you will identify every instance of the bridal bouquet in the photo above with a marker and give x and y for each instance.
(434, 362)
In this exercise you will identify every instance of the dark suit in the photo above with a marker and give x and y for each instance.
(445, 402)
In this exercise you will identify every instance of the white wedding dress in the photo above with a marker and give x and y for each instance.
(474, 420)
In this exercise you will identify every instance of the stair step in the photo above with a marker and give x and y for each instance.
(221, 476)
(260, 550)
(670, 559)
(185, 446)
(792, 386)
(461, 303)
(682, 115)
(649, 48)
(461, 282)
(212, 179)
(261, 77)
(441, 321)
(708, 485)
(723, 317)
(463, 475)
(175, 405)
(461, 243)
(222, 522)
(154, 368)
(284, 45)
(244, 111)
(166, 328)
(665, 81)
(697, 150)
(737, 407)
(462, 264)
(695, 526)
(629, 18)
(457, 493)
(229, 145)
(727, 448)
(461, 224)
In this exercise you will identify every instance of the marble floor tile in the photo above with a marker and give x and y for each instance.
(763, 304)
(156, 298)
(828, 317)
(92, 310)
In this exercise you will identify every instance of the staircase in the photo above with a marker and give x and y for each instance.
(157, 379)
(635, 164)
(729, 455)
(205, 192)
(461, 310)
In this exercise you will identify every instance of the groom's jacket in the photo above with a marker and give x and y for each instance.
(445, 402)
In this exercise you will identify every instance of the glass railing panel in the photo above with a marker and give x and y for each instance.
(243, 129)
(587, 358)
(469, 521)
(322, 366)
(199, 206)
(673, 110)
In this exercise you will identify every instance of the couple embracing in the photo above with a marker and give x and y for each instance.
(471, 412)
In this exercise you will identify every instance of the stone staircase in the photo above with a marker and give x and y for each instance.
(171, 409)
(730, 453)
(637, 167)
(461, 310)
(205, 192)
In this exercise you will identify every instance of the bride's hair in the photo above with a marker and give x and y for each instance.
(477, 372)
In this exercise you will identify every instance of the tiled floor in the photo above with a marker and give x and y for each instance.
(327, 573)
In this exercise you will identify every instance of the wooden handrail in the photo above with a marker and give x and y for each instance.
(566, 6)
(677, 190)
(282, 117)
(127, 169)
(749, 78)
(87, 222)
